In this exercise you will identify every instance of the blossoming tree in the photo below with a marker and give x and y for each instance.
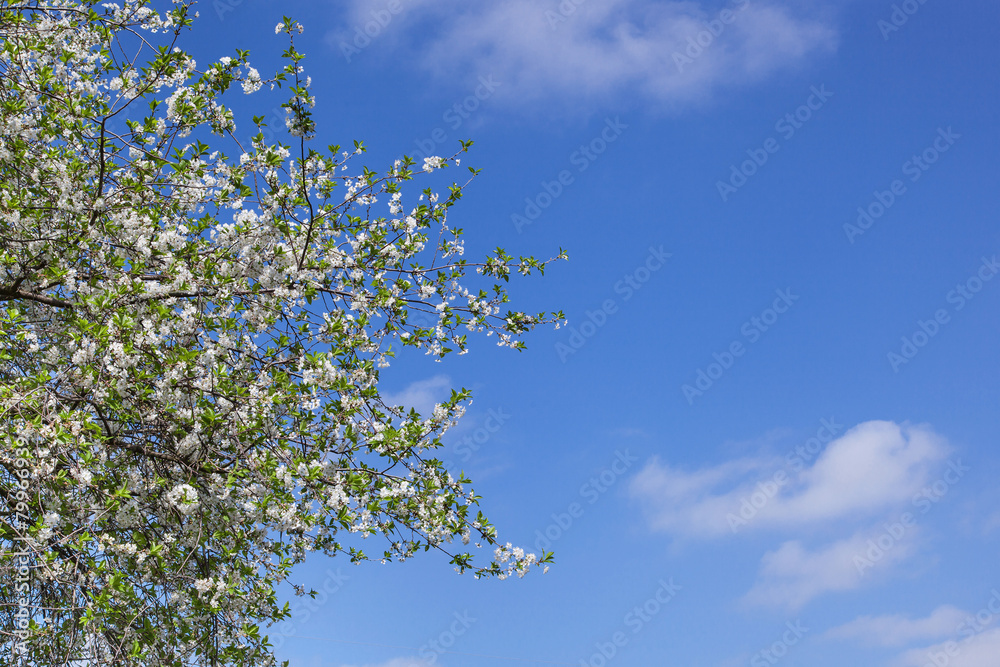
(190, 346)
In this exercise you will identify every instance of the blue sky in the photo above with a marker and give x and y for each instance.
(768, 435)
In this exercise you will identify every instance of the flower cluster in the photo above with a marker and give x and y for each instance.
(190, 344)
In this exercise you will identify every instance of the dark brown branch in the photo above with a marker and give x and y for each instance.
(14, 294)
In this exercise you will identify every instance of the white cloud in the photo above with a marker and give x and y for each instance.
(873, 467)
(792, 576)
(603, 48)
(974, 651)
(899, 630)
(421, 395)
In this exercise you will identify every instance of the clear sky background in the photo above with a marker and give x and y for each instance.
(769, 434)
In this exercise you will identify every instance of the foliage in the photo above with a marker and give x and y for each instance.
(190, 346)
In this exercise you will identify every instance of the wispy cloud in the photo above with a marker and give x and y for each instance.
(873, 467)
(793, 575)
(974, 651)
(668, 52)
(899, 630)
(421, 395)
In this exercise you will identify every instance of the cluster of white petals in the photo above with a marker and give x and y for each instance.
(191, 344)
